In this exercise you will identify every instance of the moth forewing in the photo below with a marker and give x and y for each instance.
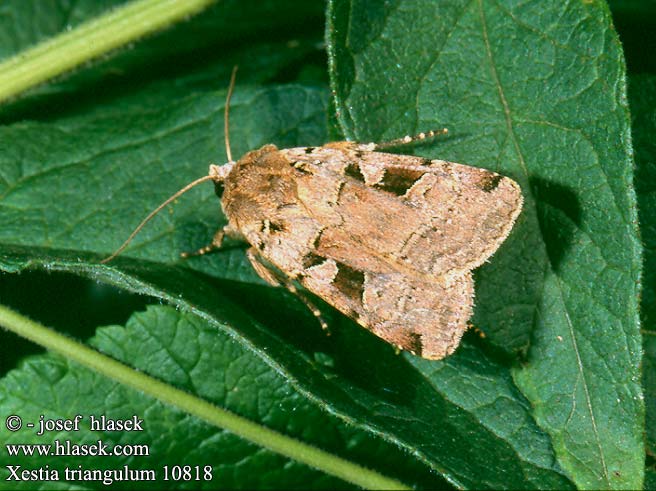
(433, 216)
(389, 240)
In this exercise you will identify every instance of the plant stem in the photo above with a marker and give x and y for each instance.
(90, 40)
(254, 432)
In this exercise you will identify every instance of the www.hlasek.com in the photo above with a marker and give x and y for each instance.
(67, 448)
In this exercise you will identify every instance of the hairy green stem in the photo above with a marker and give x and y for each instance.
(256, 433)
(90, 40)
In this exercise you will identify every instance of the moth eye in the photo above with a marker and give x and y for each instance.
(309, 149)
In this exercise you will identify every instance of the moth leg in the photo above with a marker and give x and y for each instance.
(276, 279)
(478, 331)
(406, 140)
(217, 240)
(263, 272)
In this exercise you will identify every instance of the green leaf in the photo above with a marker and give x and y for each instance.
(191, 55)
(642, 96)
(363, 381)
(129, 160)
(25, 23)
(650, 478)
(633, 19)
(91, 40)
(189, 353)
(642, 92)
(649, 382)
(79, 170)
(536, 92)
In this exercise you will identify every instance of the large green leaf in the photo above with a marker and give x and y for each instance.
(24, 23)
(649, 380)
(193, 55)
(364, 381)
(187, 352)
(73, 185)
(536, 91)
(642, 92)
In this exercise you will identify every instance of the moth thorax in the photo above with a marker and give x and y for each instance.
(258, 185)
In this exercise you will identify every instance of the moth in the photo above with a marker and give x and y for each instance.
(389, 240)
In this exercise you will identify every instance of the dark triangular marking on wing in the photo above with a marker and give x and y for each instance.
(353, 170)
(397, 180)
(489, 182)
(414, 345)
(312, 259)
(349, 281)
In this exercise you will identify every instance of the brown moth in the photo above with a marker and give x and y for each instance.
(389, 240)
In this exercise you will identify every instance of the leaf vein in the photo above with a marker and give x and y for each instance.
(522, 162)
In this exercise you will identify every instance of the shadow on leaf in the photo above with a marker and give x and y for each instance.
(559, 215)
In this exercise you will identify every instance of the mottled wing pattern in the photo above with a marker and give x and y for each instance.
(453, 216)
(389, 240)
(426, 318)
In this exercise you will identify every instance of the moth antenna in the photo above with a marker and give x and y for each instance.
(411, 139)
(153, 213)
(226, 113)
(226, 131)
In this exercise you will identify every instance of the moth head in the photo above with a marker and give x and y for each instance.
(219, 174)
